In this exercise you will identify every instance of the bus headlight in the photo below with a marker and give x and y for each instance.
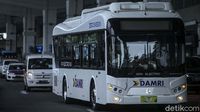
(180, 98)
(115, 89)
(184, 86)
(29, 75)
(116, 99)
(179, 88)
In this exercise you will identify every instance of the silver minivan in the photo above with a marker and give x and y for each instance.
(38, 71)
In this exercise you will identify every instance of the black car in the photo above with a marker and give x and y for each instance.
(193, 72)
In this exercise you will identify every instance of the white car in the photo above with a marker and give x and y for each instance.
(38, 71)
(15, 71)
(5, 64)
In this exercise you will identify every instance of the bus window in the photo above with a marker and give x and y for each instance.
(93, 55)
(85, 60)
(77, 56)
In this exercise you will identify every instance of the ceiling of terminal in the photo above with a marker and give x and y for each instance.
(18, 8)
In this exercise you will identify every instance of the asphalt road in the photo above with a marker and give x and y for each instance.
(14, 99)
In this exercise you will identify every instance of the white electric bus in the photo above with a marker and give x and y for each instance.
(122, 53)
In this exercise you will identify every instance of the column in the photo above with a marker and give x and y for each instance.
(198, 50)
(28, 33)
(49, 21)
(11, 35)
(67, 9)
(101, 2)
(72, 8)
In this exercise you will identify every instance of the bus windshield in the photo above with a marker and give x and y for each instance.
(40, 63)
(145, 53)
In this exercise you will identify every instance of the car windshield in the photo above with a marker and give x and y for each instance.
(8, 62)
(40, 63)
(17, 67)
(145, 53)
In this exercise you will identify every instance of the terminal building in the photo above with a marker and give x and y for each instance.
(26, 26)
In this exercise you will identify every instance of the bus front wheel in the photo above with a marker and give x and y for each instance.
(93, 97)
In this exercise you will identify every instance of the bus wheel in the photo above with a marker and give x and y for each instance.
(93, 98)
(64, 94)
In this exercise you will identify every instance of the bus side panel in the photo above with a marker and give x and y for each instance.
(56, 82)
(101, 87)
(79, 83)
(79, 80)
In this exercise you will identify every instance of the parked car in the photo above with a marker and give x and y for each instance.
(15, 71)
(193, 72)
(5, 64)
(38, 71)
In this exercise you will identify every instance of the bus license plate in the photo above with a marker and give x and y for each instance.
(148, 99)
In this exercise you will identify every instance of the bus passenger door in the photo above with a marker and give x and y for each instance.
(56, 88)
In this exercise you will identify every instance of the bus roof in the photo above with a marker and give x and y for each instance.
(96, 18)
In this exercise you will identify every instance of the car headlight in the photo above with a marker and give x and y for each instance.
(29, 75)
(179, 88)
(115, 89)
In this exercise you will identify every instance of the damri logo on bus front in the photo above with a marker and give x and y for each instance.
(95, 24)
(149, 83)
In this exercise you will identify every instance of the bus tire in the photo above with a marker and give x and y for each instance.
(93, 98)
(64, 93)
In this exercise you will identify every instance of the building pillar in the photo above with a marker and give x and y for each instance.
(28, 33)
(101, 2)
(67, 9)
(198, 32)
(70, 8)
(49, 21)
(11, 35)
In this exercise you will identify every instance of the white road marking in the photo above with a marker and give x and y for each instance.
(90, 110)
(24, 92)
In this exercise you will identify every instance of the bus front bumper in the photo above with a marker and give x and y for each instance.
(148, 99)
